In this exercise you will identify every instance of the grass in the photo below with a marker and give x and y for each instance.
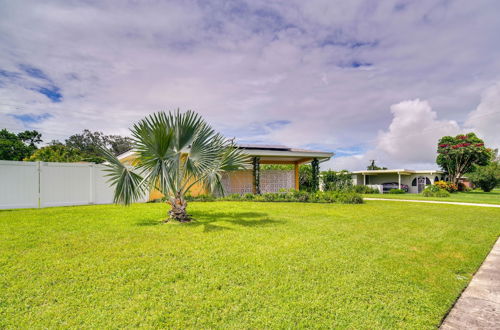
(476, 196)
(241, 265)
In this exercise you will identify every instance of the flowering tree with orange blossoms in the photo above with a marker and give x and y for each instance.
(458, 155)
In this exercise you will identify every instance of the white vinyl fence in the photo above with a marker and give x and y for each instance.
(40, 184)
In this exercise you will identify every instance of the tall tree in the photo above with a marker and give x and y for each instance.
(458, 155)
(13, 146)
(118, 144)
(90, 144)
(174, 152)
(31, 138)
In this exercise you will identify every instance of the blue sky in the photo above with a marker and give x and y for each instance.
(366, 79)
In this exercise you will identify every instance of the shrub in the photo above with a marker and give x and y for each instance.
(448, 186)
(486, 177)
(340, 197)
(397, 191)
(363, 190)
(200, 198)
(248, 196)
(435, 191)
(333, 180)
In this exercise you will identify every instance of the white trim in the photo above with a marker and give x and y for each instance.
(397, 171)
(263, 153)
(282, 153)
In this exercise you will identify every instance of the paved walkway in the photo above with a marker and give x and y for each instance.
(432, 202)
(479, 305)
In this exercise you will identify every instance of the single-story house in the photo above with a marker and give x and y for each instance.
(245, 181)
(416, 181)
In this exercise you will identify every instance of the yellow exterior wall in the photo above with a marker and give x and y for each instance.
(195, 190)
(239, 179)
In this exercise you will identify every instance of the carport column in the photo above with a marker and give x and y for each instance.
(399, 180)
(296, 168)
(256, 175)
(315, 174)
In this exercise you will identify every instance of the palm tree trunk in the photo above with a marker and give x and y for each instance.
(178, 211)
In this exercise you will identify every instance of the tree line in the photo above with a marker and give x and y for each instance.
(82, 147)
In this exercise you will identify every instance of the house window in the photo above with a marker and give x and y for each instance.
(414, 182)
(436, 179)
(427, 181)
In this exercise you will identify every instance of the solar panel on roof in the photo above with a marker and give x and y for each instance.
(263, 147)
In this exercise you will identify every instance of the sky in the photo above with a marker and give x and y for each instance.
(366, 80)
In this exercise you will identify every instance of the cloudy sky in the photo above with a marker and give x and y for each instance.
(365, 79)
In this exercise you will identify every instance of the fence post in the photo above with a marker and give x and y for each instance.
(91, 184)
(39, 174)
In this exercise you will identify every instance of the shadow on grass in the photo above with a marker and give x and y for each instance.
(246, 219)
(208, 220)
(148, 222)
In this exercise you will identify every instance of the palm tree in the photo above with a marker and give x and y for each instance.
(175, 151)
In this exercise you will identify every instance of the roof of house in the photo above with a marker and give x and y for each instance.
(273, 154)
(397, 171)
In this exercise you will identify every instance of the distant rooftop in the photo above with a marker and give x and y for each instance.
(400, 170)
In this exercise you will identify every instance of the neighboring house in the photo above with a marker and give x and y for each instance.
(244, 181)
(383, 180)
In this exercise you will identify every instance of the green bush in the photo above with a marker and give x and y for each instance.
(486, 177)
(364, 190)
(333, 180)
(397, 191)
(340, 197)
(201, 198)
(435, 191)
(248, 196)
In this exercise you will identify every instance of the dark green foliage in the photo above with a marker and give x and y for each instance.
(315, 174)
(333, 180)
(339, 197)
(90, 143)
(458, 155)
(486, 177)
(31, 138)
(305, 177)
(397, 191)
(256, 174)
(18, 146)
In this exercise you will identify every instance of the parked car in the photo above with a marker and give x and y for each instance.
(393, 185)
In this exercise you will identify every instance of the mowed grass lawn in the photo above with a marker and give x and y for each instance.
(240, 265)
(476, 196)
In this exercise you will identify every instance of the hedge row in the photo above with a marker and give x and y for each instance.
(339, 197)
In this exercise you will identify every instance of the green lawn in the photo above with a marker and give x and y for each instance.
(492, 197)
(241, 265)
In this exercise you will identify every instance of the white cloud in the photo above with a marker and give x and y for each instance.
(413, 133)
(245, 64)
(411, 138)
(485, 119)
